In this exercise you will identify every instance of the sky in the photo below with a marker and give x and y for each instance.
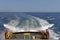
(29, 5)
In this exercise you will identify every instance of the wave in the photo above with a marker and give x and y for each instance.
(31, 23)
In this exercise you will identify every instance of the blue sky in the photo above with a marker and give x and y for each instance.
(29, 5)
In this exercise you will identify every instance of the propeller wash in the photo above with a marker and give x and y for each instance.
(30, 25)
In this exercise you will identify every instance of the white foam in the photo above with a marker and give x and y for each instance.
(31, 24)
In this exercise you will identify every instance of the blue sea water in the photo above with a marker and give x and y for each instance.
(51, 17)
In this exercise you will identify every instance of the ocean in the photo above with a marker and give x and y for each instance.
(51, 17)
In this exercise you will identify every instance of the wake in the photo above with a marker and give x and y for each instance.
(31, 23)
